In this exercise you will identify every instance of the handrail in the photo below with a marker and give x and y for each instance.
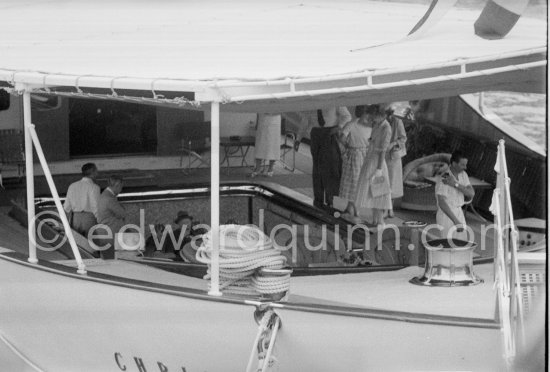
(515, 280)
(380, 72)
(209, 91)
(55, 194)
(29, 175)
(507, 278)
(156, 84)
(401, 83)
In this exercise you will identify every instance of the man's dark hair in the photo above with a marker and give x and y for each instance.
(88, 169)
(390, 110)
(182, 215)
(375, 110)
(359, 110)
(114, 180)
(456, 156)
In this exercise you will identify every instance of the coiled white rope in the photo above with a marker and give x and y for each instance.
(249, 264)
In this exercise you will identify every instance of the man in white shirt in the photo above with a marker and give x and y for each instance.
(326, 154)
(451, 189)
(331, 117)
(82, 200)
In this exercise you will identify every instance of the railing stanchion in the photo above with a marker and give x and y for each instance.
(55, 195)
(215, 200)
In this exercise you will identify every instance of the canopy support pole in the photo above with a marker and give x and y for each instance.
(215, 200)
(29, 175)
(61, 212)
(481, 103)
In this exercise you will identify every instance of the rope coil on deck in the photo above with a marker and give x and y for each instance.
(249, 264)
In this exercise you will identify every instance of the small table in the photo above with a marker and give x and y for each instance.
(236, 148)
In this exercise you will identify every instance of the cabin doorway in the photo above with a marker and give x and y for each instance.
(102, 127)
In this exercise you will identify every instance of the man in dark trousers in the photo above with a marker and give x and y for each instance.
(325, 152)
(82, 200)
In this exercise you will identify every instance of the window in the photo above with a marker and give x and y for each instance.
(98, 127)
(4, 100)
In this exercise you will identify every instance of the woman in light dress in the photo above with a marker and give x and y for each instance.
(396, 151)
(355, 137)
(268, 142)
(375, 166)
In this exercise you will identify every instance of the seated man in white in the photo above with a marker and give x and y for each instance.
(110, 216)
(451, 189)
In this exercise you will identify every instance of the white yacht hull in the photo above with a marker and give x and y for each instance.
(62, 322)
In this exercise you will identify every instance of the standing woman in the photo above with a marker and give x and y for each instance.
(355, 137)
(395, 152)
(375, 168)
(268, 142)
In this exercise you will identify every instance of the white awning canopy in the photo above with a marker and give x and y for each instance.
(261, 56)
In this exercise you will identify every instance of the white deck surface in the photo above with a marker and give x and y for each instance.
(383, 290)
(391, 290)
(131, 270)
(388, 290)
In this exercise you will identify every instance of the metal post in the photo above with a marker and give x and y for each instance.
(29, 171)
(481, 103)
(60, 211)
(215, 200)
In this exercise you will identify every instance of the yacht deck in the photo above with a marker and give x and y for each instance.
(388, 291)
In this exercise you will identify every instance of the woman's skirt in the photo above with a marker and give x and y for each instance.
(351, 169)
(364, 198)
(268, 137)
(395, 170)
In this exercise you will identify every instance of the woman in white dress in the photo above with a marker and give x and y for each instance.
(375, 167)
(355, 137)
(396, 151)
(268, 142)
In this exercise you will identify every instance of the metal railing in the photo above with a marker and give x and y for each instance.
(507, 277)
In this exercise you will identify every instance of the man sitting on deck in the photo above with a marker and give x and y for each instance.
(110, 212)
(82, 200)
(450, 190)
(181, 238)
